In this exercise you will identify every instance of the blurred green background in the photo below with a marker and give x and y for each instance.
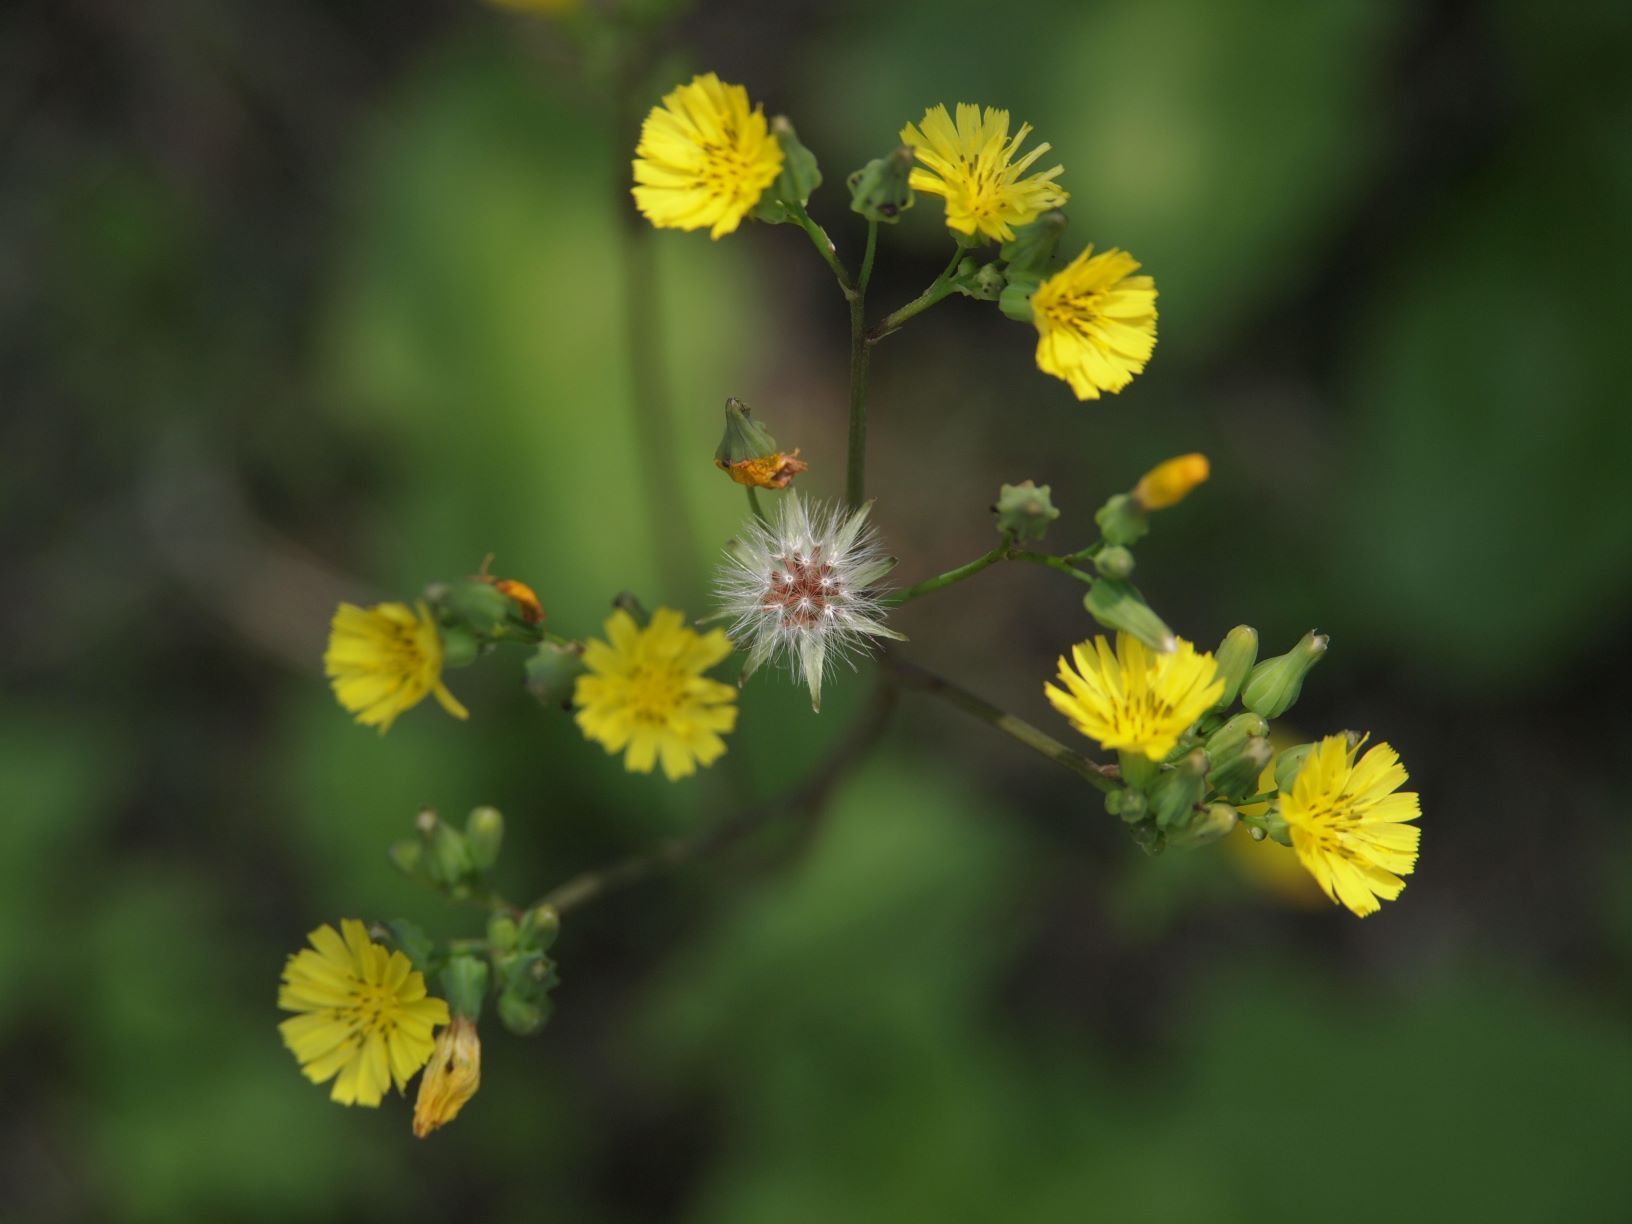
(313, 300)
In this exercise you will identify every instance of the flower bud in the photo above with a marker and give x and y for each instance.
(1122, 520)
(451, 1077)
(1030, 252)
(464, 981)
(1215, 821)
(1236, 772)
(749, 455)
(799, 177)
(1170, 482)
(1273, 686)
(1179, 790)
(539, 927)
(484, 833)
(446, 858)
(1024, 511)
(1234, 733)
(524, 1015)
(1114, 562)
(502, 932)
(1116, 605)
(879, 190)
(1236, 655)
(1015, 300)
(472, 604)
(983, 282)
(1288, 764)
(552, 671)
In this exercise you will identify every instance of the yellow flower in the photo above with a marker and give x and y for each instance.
(1170, 482)
(383, 660)
(646, 695)
(365, 1018)
(972, 165)
(1096, 322)
(704, 158)
(1135, 700)
(451, 1079)
(1348, 824)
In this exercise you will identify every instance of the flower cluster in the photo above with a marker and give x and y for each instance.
(800, 587)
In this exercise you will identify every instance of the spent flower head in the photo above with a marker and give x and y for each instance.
(1135, 700)
(365, 1018)
(383, 660)
(801, 587)
(452, 1077)
(972, 163)
(645, 694)
(1096, 322)
(705, 158)
(1348, 820)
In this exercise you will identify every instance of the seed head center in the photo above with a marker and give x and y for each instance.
(802, 588)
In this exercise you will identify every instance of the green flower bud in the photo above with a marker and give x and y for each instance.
(459, 646)
(1234, 733)
(1122, 521)
(1275, 827)
(879, 190)
(472, 604)
(1024, 511)
(1273, 686)
(502, 932)
(745, 438)
(446, 857)
(1178, 790)
(1116, 605)
(464, 981)
(524, 1014)
(539, 927)
(800, 176)
(1030, 252)
(1235, 773)
(1149, 838)
(1135, 807)
(1214, 822)
(414, 943)
(552, 671)
(1015, 300)
(983, 282)
(1235, 657)
(484, 833)
(1288, 764)
(1114, 562)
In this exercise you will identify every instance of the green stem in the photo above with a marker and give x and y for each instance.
(1062, 564)
(1101, 777)
(753, 503)
(1003, 552)
(939, 288)
(824, 247)
(930, 585)
(804, 801)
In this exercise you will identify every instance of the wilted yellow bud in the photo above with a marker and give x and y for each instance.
(1169, 483)
(451, 1077)
(773, 471)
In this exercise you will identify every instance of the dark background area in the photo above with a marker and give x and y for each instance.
(310, 301)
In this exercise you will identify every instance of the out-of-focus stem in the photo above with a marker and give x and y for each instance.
(912, 676)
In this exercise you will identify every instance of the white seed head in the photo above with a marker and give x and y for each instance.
(802, 589)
